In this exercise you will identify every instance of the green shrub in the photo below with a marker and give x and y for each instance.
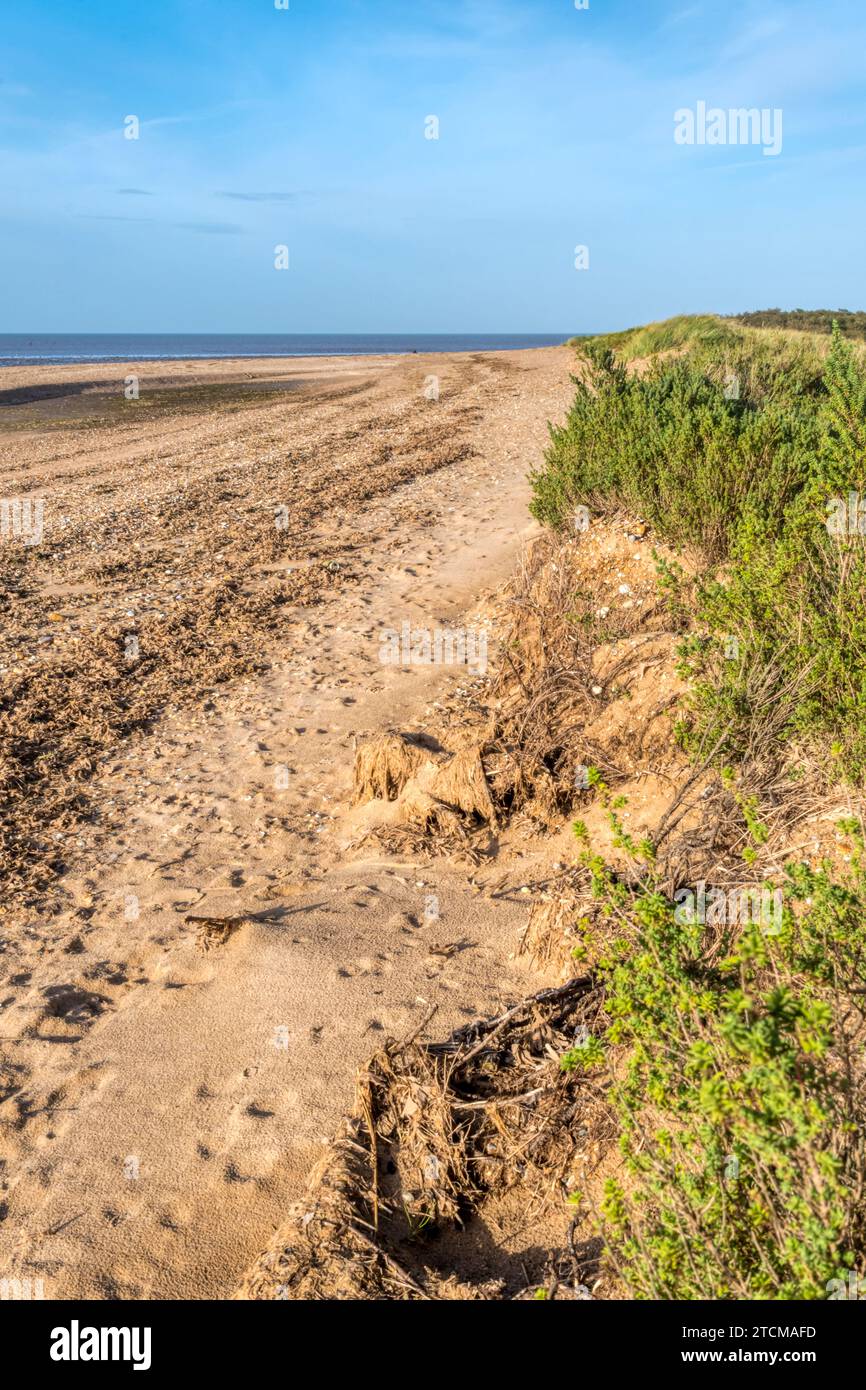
(741, 1098)
(737, 1050)
(851, 325)
(741, 1104)
(735, 449)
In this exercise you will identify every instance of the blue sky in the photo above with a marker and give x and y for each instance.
(306, 128)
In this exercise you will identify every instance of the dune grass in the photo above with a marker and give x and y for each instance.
(683, 331)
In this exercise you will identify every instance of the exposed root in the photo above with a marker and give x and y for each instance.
(423, 811)
(403, 840)
(213, 932)
(384, 765)
(462, 783)
(437, 1131)
(439, 799)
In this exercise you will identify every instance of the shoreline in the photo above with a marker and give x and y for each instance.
(424, 349)
(29, 388)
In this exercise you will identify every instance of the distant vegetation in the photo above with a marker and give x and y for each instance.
(852, 323)
(742, 1091)
(714, 330)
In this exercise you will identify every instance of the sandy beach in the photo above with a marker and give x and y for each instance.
(189, 658)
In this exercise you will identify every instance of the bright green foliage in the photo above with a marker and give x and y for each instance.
(739, 1108)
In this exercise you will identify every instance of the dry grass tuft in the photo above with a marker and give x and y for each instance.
(384, 765)
(462, 783)
(551, 934)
